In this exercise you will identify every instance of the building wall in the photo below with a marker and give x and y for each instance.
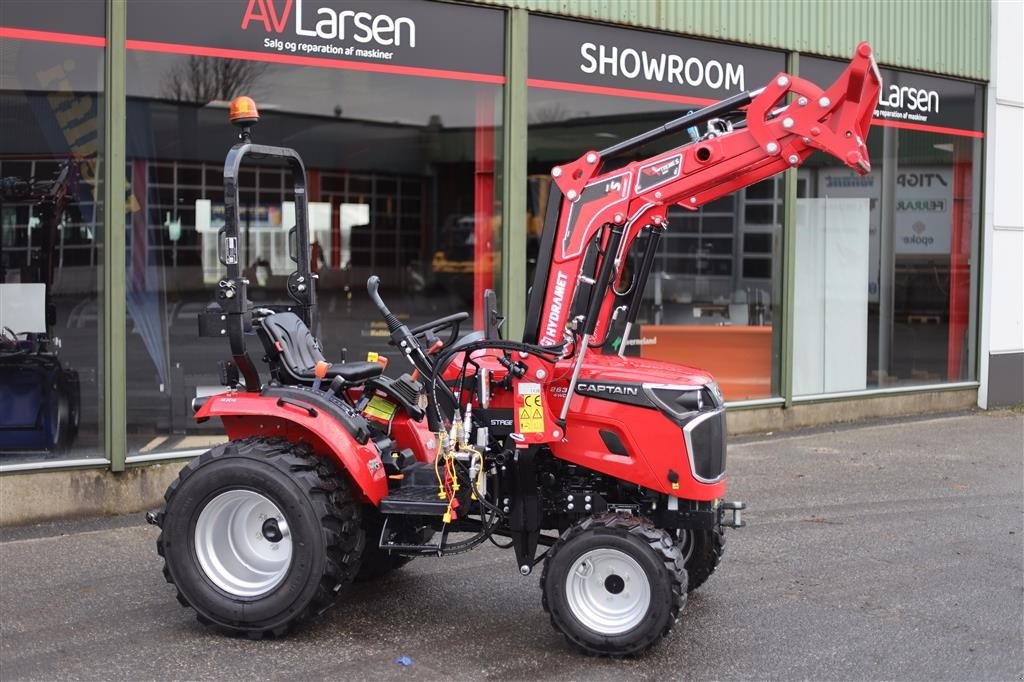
(1002, 337)
(949, 37)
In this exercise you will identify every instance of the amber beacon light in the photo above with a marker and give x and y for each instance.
(243, 111)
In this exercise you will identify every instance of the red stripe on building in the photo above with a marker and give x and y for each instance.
(52, 37)
(928, 128)
(321, 62)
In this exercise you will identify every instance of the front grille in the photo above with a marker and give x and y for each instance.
(705, 443)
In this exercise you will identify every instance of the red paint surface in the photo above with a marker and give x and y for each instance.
(248, 414)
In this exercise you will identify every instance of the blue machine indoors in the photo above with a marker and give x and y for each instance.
(41, 398)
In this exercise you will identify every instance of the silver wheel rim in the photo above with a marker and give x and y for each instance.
(243, 543)
(607, 591)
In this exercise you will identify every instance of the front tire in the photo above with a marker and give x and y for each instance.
(702, 551)
(258, 535)
(614, 585)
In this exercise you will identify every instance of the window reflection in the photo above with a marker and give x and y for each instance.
(50, 228)
(710, 301)
(401, 184)
(919, 245)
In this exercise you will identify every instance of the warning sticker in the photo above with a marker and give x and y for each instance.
(530, 409)
(379, 408)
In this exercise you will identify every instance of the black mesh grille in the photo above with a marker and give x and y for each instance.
(708, 451)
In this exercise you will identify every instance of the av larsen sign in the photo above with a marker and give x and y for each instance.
(428, 35)
(345, 26)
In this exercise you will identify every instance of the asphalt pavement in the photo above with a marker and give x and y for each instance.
(883, 551)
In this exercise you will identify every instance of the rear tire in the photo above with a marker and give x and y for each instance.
(258, 535)
(614, 585)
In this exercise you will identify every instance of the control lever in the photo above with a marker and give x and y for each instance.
(372, 285)
(406, 342)
(401, 336)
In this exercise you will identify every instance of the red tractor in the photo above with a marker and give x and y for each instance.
(608, 469)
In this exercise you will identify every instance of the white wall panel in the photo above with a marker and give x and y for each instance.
(1002, 304)
(830, 319)
(1006, 143)
(1007, 319)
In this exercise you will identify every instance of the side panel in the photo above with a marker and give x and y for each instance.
(247, 414)
(654, 445)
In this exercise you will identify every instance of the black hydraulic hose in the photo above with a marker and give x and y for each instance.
(445, 357)
(646, 265)
(603, 279)
(693, 118)
(404, 339)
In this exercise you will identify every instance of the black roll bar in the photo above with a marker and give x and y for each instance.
(233, 289)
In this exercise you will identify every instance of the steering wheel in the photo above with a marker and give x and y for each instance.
(454, 321)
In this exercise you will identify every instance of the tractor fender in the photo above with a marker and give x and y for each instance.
(300, 415)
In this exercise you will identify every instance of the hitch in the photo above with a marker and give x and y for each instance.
(155, 518)
(736, 520)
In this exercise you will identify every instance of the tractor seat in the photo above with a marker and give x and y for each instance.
(293, 353)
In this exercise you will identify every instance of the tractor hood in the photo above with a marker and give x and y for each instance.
(612, 368)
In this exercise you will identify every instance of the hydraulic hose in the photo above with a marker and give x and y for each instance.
(552, 352)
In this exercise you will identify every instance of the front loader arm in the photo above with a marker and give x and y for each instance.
(594, 215)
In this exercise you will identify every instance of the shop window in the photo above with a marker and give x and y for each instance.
(712, 297)
(51, 220)
(401, 144)
(884, 281)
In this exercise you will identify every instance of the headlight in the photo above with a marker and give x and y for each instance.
(692, 401)
(716, 393)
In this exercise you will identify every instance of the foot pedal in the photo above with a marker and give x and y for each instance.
(421, 500)
(736, 507)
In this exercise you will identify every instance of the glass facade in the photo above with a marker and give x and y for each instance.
(883, 290)
(401, 162)
(400, 125)
(51, 226)
(714, 295)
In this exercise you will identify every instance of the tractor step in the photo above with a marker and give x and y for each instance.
(414, 499)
